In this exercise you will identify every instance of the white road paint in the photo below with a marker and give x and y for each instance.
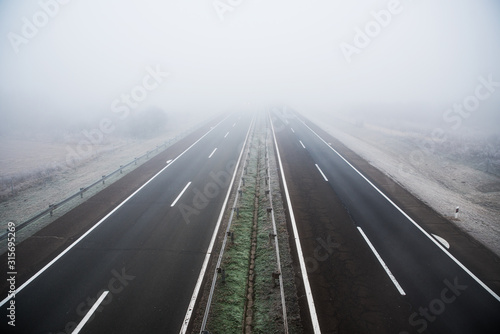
(180, 195)
(302, 262)
(322, 174)
(25, 284)
(226, 135)
(215, 149)
(234, 125)
(437, 243)
(386, 268)
(196, 291)
(301, 143)
(90, 313)
(169, 161)
(292, 130)
(442, 241)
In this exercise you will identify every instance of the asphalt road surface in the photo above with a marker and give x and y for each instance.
(372, 268)
(135, 272)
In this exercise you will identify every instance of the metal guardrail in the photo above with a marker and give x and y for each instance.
(224, 242)
(80, 193)
(203, 329)
(275, 235)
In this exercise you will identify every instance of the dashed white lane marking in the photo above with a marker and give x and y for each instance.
(437, 243)
(442, 241)
(386, 268)
(215, 149)
(54, 260)
(234, 125)
(301, 143)
(292, 130)
(90, 313)
(226, 135)
(321, 172)
(180, 195)
(194, 297)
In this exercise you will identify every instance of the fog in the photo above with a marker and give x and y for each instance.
(67, 62)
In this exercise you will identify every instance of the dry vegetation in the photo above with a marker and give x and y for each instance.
(461, 168)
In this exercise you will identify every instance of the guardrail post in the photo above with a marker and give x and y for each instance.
(103, 178)
(243, 181)
(231, 234)
(121, 169)
(135, 161)
(223, 272)
(240, 192)
(81, 192)
(276, 276)
(51, 207)
(271, 237)
(267, 193)
(269, 211)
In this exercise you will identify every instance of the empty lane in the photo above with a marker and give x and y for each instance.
(147, 254)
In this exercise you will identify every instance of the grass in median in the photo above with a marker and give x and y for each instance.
(267, 308)
(226, 315)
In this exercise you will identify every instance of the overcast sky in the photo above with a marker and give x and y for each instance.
(72, 60)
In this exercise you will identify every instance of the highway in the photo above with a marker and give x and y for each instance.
(372, 268)
(135, 271)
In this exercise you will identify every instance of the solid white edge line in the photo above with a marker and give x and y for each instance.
(303, 268)
(180, 195)
(6, 299)
(321, 172)
(197, 287)
(301, 143)
(215, 149)
(386, 268)
(411, 220)
(90, 313)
